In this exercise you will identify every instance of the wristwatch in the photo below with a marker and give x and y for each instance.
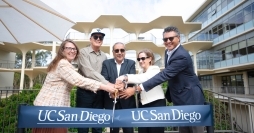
(125, 78)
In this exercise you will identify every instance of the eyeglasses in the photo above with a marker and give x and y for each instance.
(70, 48)
(96, 37)
(142, 58)
(117, 50)
(169, 38)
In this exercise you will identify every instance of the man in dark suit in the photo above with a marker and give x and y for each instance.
(111, 69)
(184, 87)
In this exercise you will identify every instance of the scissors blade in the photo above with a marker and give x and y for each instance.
(114, 106)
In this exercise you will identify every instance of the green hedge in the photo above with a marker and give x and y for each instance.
(9, 107)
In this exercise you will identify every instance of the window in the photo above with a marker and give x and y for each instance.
(239, 18)
(223, 54)
(231, 22)
(242, 48)
(215, 33)
(247, 14)
(223, 4)
(239, 80)
(250, 47)
(235, 52)
(220, 30)
(228, 52)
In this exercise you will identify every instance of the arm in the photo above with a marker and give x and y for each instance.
(87, 69)
(142, 77)
(177, 65)
(68, 74)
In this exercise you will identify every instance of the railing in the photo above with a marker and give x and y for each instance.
(235, 90)
(231, 114)
(128, 38)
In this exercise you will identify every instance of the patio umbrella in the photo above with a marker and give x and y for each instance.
(23, 21)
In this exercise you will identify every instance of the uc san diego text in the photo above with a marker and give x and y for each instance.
(102, 118)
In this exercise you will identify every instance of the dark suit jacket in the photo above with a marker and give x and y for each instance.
(109, 71)
(183, 84)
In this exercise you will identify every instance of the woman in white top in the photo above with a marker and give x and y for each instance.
(153, 98)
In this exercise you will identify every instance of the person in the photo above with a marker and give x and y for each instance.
(111, 69)
(60, 79)
(90, 65)
(153, 98)
(183, 87)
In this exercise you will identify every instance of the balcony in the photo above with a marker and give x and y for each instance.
(126, 39)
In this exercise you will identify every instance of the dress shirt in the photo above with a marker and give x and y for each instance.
(118, 67)
(90, 64)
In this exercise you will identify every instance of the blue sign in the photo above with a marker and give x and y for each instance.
(41, 117)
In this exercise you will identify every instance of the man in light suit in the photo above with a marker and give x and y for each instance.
(184, 87)
(111, 69)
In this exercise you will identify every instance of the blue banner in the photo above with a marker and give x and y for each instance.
(41, 117)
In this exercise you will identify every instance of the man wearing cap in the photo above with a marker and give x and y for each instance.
(90, 65)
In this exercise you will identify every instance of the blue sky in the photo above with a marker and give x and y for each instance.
(132, 10)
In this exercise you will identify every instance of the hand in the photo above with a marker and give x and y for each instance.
(130, 91)
(119, 85)
(121, 78)
(109, 88)
(110, 84)
(113, 95)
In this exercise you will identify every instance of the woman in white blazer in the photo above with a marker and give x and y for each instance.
(153, 98)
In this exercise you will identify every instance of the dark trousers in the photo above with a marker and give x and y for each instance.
(89, 99)
(191, 129)
(157, 103)
(125, 130)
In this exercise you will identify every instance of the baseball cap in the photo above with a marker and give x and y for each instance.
(97, 31)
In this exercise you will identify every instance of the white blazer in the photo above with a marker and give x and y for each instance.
(154, 94)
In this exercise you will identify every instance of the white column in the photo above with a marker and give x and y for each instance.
(137, 34)
(251, 118)
(111, 41)
(33, 59)
(87, 35)
(186, 38)
(246, 83)
(22, 70)
(31, 82)
(53, 49)
(195, 62)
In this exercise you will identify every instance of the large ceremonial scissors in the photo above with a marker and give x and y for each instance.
(114, 106)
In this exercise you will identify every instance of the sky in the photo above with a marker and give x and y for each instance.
(132, 10)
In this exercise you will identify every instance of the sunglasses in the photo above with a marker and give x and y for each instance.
(96, 37)
(117, 50)
(169, 38)
(142, 58)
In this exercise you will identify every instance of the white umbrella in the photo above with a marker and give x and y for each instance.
(23, 21)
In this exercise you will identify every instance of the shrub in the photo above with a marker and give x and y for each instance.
(9, 107)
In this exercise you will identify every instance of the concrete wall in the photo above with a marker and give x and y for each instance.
(6, 78)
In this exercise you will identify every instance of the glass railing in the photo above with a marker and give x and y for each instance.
(126, 39)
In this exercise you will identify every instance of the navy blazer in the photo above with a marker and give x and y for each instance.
(184, 87)
(109, 71)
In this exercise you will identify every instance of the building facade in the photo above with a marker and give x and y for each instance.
(229, 25)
